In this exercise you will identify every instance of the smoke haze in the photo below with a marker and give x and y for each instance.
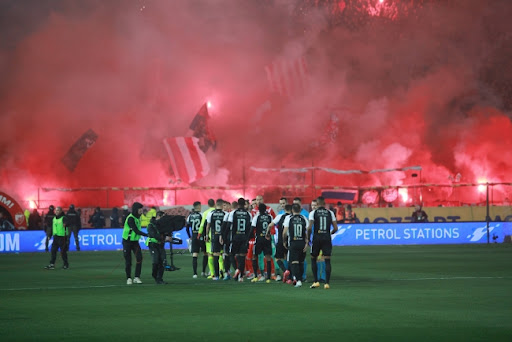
(413, 83)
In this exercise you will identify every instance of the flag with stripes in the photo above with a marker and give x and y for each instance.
(287, 77)
(188, 161)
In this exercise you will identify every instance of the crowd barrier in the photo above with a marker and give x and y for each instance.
(347, 235)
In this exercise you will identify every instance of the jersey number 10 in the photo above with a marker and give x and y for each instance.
(297, 230)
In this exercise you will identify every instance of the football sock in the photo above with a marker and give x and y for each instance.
(234, 261)
(210, 265)
(239, 260)
(327, 270)
(194, 264)
(314, 268)
(221, 264)
(216, 265)
(295, 271)
(301, 271)
(227, 263)
(205, 262)
(255, 267)
(269, 268)
(242, 265)
(280, 263)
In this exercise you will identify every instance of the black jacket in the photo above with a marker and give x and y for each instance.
(97, 219)
(114, 219)
(153, 231)
(34, 220)
(419, 216)
(48, 219)
(73, 218)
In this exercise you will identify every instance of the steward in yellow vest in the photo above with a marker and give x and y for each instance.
(60, 233)
(131, 235)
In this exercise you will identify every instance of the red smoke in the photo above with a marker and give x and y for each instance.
(407, 90)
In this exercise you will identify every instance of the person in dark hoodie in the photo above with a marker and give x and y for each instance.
(97, 220)
(131, 235)
(114, 218)
(125, 215)
(34, 220)
(155, 242)
(60, 237)
(48, 225)
(73, 219)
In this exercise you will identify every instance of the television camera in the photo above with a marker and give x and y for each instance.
(167, 225)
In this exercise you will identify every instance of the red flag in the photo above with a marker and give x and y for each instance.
(201, 130)
(188, 161)
(287, 77)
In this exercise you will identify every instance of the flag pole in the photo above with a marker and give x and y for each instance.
(313, 177)
(243, 173)
(487, 217)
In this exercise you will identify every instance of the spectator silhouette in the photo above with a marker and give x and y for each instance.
(419, 215)
(125, 215)
(73, 223)
(114, 218)
(97, 220)
(350, 215)
(34, 220)
(4, 223)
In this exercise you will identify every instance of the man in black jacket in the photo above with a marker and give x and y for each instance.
(114, 218)
(48, 225)
(97, 219)
(34, 220)
(73, 219)
(125, 215)
(419, 215)
(155, 242)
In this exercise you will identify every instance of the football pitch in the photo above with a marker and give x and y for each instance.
(378, 293)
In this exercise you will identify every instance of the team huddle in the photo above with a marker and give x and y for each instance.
(227, 233)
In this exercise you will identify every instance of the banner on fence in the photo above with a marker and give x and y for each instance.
(347, 235)
(435, 214)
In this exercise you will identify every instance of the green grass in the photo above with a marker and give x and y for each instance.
(385, 293)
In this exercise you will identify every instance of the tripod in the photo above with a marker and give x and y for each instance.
(171, 267)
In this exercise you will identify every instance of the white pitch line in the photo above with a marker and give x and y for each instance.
(67, 287)
(142, 285)
(446, 278)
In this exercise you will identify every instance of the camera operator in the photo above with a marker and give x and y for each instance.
(155, 242)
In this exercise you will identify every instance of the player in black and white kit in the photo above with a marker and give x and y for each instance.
(321, 219)
(295, 232)
(260, 224)
(241, 226)
(214, 222)
(227, 238)
(281, 251)
(197, 242)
